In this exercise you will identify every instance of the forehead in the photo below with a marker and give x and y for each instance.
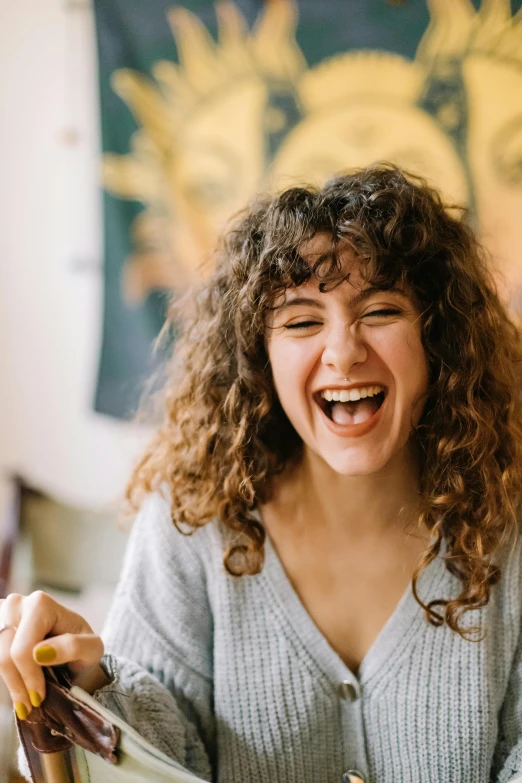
(321, 247)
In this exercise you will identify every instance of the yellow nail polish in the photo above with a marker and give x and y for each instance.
(45, 654)
(35, 698)
(21, 710)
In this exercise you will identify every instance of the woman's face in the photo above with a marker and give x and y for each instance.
(349, 368)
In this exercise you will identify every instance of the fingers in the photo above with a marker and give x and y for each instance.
(16, 686)
(47, 634)
(39, 614)
(79, 651)
(41, 618)
(10, 615)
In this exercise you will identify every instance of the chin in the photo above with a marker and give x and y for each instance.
(355, 464)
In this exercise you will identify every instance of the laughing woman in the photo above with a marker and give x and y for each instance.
(342, 440)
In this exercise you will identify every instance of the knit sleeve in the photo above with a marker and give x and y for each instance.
(158, 639)
(507, 761)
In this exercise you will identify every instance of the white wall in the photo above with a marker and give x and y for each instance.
(50, 257)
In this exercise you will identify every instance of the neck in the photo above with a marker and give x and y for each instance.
(359, 507)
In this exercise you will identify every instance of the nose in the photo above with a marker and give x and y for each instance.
(344, 347)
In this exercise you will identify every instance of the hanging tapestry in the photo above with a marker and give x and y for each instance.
(204, 105)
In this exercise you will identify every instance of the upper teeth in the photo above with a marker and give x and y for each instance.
(349, 395)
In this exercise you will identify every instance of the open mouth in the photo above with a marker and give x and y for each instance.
(352, 412)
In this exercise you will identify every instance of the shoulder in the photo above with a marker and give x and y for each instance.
(155, 521)
(507, 594)
(157, 546)
(510, 562)
(161, 615)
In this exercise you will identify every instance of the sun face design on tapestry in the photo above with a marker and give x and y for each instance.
(245, 113)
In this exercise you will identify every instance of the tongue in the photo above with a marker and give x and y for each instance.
(354, 412)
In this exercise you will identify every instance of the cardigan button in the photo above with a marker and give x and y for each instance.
(353, 776)
(348, 691)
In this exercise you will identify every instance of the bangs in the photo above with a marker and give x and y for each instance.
(382, 271)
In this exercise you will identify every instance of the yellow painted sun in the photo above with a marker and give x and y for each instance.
(245, 113)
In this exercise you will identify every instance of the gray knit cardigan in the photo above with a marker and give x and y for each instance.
(231, 677)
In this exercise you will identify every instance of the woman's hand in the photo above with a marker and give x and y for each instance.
(42, 632)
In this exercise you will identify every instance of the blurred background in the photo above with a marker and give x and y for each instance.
(131, 130)
(51, 304)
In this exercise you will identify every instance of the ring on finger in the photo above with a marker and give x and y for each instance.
(8, 627)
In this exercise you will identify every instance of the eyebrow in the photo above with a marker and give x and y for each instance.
(307, 301)
(359, 297)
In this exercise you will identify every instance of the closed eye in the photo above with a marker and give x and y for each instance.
(384, 313)
(301, 324)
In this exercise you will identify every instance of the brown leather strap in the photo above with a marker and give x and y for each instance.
(63, 721)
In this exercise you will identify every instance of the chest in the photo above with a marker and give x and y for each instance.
(349, 597)
(349, 610)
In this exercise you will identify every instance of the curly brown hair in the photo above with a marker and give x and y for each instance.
(225, 436)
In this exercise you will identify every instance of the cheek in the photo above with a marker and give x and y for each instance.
(291, 363)
(405, 357)
(412, 375)
(417, 361)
